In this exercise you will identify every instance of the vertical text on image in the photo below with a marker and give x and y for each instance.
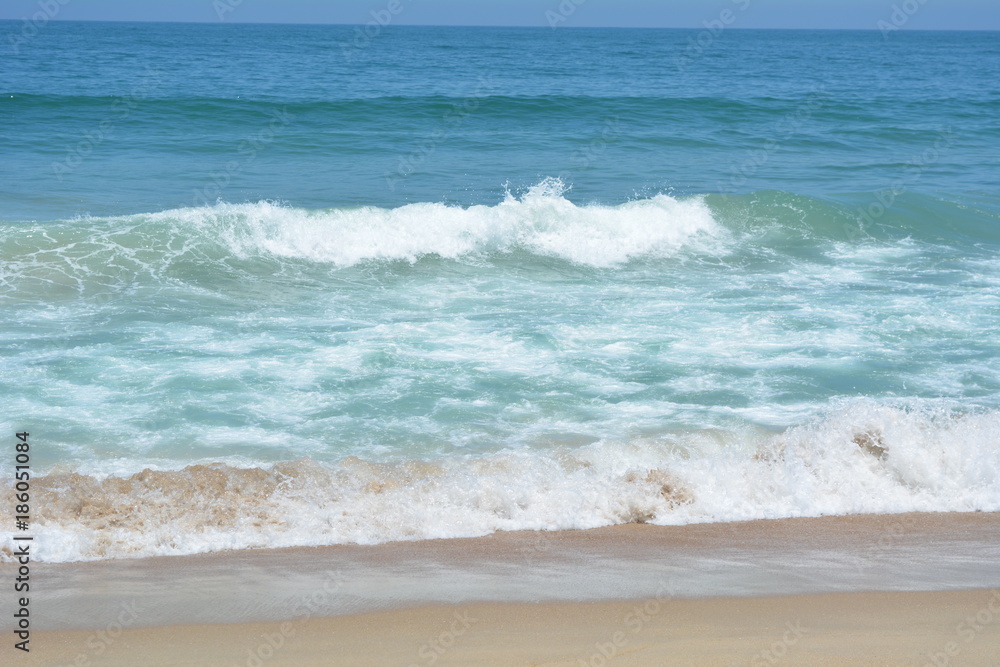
(22, 543)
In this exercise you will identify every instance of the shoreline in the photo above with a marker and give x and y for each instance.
(901, 565)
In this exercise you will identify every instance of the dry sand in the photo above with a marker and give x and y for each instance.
(830, 629)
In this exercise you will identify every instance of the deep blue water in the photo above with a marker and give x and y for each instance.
(468, 110)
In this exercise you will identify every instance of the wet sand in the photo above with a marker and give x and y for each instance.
(877, 589)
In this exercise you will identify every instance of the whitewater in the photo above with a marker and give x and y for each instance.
(259, 375)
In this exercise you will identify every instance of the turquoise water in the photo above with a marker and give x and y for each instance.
(470, 279)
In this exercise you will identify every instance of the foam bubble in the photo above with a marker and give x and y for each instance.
(861, 458)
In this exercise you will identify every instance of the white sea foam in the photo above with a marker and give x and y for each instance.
(527, 395)
(863, 457)
(541, 221)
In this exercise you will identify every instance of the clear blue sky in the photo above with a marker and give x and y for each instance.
(928, 14)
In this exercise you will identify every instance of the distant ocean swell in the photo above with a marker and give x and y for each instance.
(541, 222)
(862, 457)
(77, 254)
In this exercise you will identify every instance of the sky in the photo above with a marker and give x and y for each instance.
(857, 14)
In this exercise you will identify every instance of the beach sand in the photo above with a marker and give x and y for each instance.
(870, 590)
(830, 629)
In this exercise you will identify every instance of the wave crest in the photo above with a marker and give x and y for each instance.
(542, 221)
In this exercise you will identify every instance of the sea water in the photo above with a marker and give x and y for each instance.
(271, 285)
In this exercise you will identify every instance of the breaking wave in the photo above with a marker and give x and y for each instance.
(860, 458)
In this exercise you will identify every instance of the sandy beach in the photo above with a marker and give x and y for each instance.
(832, 629)
(882, 589)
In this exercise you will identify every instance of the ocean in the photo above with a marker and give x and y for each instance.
(280, 285)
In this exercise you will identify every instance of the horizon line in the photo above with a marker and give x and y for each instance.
(470, 25)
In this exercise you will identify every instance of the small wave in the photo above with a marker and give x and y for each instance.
(861, 458)
(542, 221)
(99, 254)
(237, 240)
